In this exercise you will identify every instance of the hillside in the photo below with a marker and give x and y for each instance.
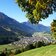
(43, 51)
(10, 29)
(14, 26)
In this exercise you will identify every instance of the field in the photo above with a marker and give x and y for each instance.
(43, 51)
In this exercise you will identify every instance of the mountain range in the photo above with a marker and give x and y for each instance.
(38, 27)
(10, 29)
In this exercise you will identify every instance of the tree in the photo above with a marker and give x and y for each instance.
(36, 10)
(53, 29)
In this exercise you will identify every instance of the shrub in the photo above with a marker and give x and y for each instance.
(18, 51)
(11, 53)
(29, 46)
(39, 44)
(4, 52)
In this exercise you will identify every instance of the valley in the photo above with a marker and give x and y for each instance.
(21, 37)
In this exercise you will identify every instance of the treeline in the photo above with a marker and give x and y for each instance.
(15, 51)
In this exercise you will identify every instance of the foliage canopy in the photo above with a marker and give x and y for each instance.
(53, 28)
(36, 10)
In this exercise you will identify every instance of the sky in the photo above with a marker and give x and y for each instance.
(11, 9)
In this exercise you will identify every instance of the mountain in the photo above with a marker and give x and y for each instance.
(38, 27)
(12, 25)
(10, 29)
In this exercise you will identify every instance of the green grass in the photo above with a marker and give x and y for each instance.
(43, 51)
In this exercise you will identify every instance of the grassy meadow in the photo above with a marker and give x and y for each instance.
(43, 51)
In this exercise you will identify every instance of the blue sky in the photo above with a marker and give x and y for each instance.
(10, 8)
